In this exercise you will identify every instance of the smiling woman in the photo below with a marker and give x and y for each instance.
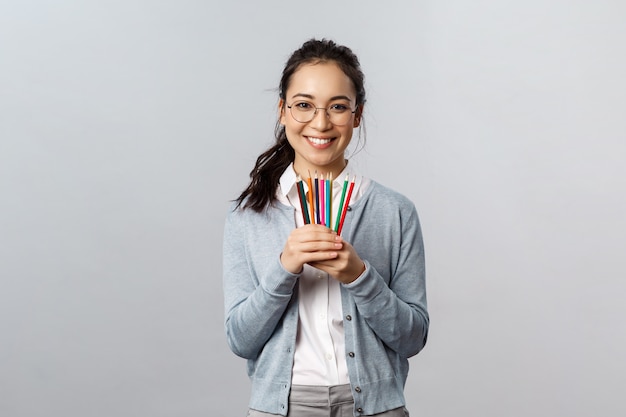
(320, 138)
(326, 318)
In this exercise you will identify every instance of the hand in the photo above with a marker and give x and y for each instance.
(321, 248)
(346, 267)
(310, 243)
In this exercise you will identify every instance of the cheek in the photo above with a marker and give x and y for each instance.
(347, 132)
(290, 132)
(291, 126)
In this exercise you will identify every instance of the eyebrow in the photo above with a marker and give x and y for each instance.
(309, 96)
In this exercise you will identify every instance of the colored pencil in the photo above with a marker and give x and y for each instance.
(329, 199)
(346, 205)
(322, 200)
(317, 199)
(341, 202)
(310, 199)
(305, 212)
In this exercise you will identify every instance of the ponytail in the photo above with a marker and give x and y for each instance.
(266, 173)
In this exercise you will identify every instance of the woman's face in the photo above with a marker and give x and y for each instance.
(319, 144)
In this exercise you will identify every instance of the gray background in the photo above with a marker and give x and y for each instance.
(126, 126)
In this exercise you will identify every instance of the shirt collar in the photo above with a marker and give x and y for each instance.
(287, 183)
(289, 178)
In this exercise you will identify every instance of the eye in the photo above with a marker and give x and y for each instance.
(338, 108)
(303, 106)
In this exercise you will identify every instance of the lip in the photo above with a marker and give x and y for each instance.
(320, 142)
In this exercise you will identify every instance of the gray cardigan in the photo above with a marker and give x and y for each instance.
(385, 315)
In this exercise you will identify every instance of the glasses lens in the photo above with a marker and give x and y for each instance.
(304, 112)
(339, 114)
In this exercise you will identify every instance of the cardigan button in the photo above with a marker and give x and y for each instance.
(360, 410)
(349, 317)
(351, 354)
(350, 209)
(358, 389)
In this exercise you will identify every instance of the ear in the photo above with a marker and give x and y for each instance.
(281, 111)
(357, 116)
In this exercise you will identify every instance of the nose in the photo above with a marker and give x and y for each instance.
(321, 119)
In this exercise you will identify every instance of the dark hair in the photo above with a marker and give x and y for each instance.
(271, 164)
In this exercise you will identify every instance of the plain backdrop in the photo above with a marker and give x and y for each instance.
(127, 126)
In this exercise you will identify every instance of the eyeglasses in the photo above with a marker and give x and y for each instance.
(338, 114)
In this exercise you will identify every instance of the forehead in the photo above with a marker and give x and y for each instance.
(322, 80)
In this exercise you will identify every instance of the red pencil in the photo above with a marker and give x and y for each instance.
(345, 206)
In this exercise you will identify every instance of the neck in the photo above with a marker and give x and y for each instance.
(310, 170)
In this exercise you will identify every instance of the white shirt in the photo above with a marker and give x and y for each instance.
(320, 343)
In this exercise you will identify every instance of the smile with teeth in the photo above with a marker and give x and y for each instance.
(319, 141)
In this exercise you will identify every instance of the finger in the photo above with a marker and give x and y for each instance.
(315, 236)
(316, 228)
(323, 260)
(318, 246)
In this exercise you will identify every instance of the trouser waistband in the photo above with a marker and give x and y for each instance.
(336, 394)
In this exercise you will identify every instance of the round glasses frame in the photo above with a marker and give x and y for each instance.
(304, 112)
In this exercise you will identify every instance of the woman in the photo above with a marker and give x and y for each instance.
(327, 320)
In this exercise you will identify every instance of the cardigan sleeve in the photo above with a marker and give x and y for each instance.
(254, 301)
(396, 310)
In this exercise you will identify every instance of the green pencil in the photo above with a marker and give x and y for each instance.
(341, 202)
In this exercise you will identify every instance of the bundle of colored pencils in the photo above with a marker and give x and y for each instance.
(317, 203)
